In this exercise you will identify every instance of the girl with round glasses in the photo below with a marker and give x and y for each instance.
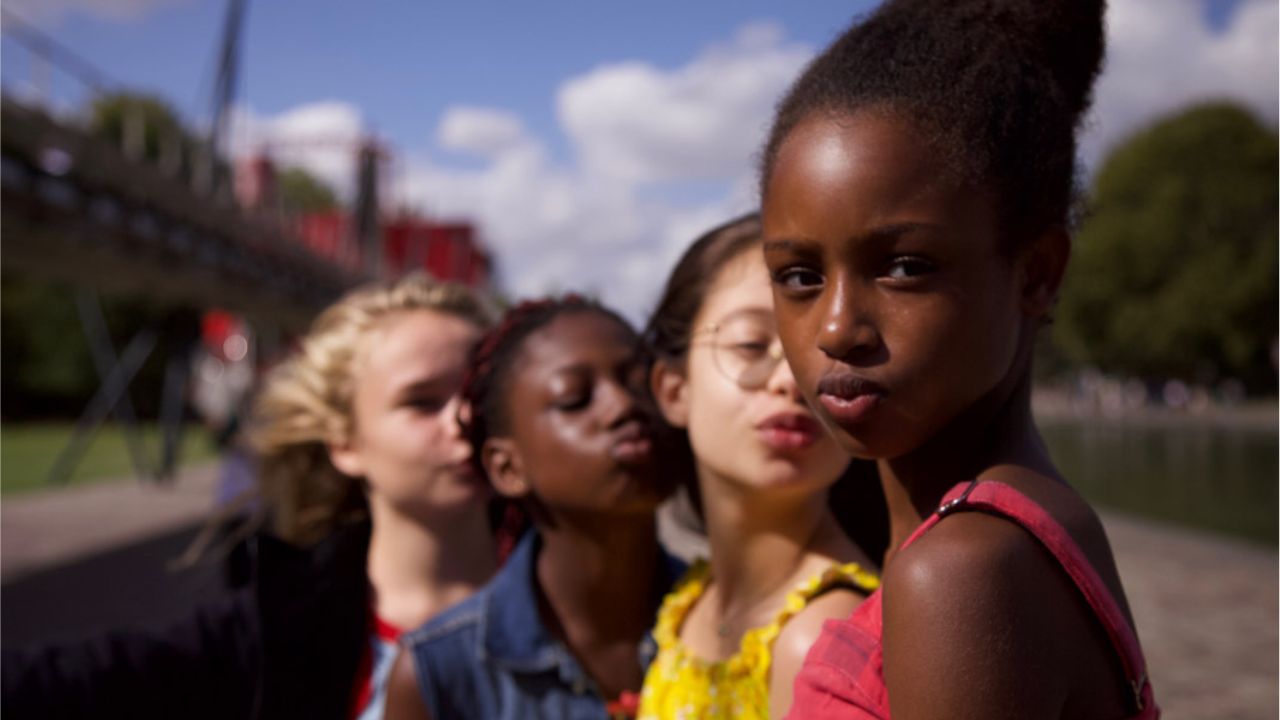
(735, 630)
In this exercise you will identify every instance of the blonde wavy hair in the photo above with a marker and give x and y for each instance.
(306, 404)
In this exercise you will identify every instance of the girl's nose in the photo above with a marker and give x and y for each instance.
(460, 411)
(782, 381)
(847, 332)
(618, 403)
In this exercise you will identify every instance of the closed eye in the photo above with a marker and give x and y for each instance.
(425, 403)
(750, 349)
(574, 402)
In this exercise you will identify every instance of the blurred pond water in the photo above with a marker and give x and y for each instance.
(1214, 477)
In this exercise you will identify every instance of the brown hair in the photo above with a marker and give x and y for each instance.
(671, 324)
(856, 499)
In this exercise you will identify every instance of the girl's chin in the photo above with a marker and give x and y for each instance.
(786, 473)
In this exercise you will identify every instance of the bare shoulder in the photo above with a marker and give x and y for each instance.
(973, 563)
(404, 702)
(802, 630)
(1074, 514)
(798, 635)
(1055, 497)
(977, 592)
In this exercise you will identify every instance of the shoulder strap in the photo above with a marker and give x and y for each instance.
(949, 502)
(1000, 499)
(839, 575)
(678, 602)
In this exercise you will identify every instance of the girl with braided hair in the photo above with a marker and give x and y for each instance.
(556, 416)
(916, 193)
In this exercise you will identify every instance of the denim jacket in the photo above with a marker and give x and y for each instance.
(490, 656)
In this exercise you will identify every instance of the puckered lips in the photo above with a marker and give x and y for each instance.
(789, 431)
(632, 443)
(849, 399)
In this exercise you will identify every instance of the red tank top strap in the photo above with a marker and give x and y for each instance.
(953, 496)
(1000, 499)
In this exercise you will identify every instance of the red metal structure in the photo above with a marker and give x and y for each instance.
(448, 251)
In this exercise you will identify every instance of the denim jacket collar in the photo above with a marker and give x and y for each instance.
(511, 631)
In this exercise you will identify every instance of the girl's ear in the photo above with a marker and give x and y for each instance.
(671, 390)
(346, 458)
(1043, 266)
(503, 465)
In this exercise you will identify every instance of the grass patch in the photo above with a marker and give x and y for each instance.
(28, 452)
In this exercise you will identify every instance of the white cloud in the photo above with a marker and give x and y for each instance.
(638, 123)
(482, 131)
(1162, 56)
(608, 219)
(322, 138)
(589, 224)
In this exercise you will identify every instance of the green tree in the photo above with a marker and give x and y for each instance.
(126, 119)
(300, 191)
(116, 116)
(48, 370)
(1174, 271)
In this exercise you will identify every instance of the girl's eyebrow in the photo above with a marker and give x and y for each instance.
(785, 245)
(437, 381)
(882, 232)
(571, 368)
(898, 229)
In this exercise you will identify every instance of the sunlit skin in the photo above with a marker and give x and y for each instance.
(909, 326)
(764, 489)
(424, 501)
(579, 423)
(579, 449)
(405, 440)
(727, 424)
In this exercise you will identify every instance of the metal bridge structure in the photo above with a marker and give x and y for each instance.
(75, 208)
(79, 208)
(102, 216)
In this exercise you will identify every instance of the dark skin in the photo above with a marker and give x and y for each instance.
(891, 277)
(573, 408)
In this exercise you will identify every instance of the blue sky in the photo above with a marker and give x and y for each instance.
(590, 140)
(404, 62)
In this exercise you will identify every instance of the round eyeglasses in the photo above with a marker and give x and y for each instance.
(745, 347)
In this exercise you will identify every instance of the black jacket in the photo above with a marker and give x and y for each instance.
(285, 641)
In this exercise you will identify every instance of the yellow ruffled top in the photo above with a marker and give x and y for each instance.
(680, 686)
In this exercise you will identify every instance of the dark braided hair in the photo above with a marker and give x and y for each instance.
(486, 390)
(997, 87)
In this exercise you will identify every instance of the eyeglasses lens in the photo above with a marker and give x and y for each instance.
(747, 350)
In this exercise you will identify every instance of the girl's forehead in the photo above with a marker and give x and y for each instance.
(417, 337)
(741, 283)
(834, 149)
(839, 178)
(575, 334)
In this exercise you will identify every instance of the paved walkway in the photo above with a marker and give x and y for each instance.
(1206, 606)
(44, 528)
(1206, 609)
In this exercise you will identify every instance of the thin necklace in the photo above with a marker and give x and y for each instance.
(725, 627)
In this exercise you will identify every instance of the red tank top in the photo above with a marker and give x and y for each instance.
(843, 674)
